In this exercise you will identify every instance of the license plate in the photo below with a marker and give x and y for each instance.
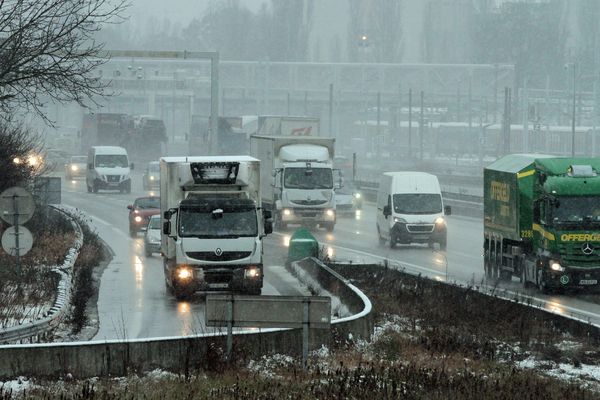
(420, 237)
(588, 282)
(219, 285)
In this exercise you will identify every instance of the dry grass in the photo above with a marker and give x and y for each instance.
(433, 342)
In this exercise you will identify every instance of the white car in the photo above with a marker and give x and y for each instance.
(152, 236)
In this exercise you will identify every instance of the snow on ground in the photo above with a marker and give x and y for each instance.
(15, 387)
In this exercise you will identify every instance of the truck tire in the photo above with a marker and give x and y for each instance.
(381, 238)
(442, 244)
(526, 284)
(542, 285)
(392, 241)
(89, 189)
(95, 187)
(330, 227)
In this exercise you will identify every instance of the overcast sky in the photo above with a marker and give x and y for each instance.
(181, 11)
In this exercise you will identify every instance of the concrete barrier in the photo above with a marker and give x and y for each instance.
(183, 354)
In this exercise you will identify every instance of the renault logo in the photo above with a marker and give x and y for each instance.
(587, 248)
(218, 252)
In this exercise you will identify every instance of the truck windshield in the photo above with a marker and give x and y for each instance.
(111, 160)
(577, 209)
(417, 203)
(203, 223)
(308, 178)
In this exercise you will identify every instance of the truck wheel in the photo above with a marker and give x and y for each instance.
(128, 187)
(487, 266)
(541, 282)
(95, 188)
(524, 281)
(329, 227)
(442, 244)
(392, 241)
(381, 238)
(89, 189)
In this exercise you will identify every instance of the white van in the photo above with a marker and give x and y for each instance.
(410, 209)
(109, 169)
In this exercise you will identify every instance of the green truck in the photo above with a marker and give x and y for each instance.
(542, 221)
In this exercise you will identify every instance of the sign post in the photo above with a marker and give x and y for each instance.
(16, 208)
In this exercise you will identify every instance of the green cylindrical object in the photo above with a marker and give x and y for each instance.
(302, 244)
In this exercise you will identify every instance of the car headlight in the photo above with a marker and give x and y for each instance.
(399, 220)
(137, 218)
(440, 221)
(252, 273)
(357, 195)
(151, 178)
(287, 211)
(330, 213)
(555, 266)
(74, 167)
(184, 273)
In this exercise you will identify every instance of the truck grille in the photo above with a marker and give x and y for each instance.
(421, 228)
(572, 255)
(211, 256)
(113, 178)
(309, 202)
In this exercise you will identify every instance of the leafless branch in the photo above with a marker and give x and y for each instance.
(48, 52)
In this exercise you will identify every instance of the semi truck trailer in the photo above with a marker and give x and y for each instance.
(298, 179)
(542, 221)
(213, 224)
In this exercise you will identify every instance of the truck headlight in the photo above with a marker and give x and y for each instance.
(399, 220)
(151, 178)
(137, 218)
(287, 211)
(252, 272)
(74, 167)
(440, 221)
(555, 266)
(357, 195)
(330, 213)
(184, 273)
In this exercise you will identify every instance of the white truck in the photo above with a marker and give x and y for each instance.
(212, 224)
(297, 179)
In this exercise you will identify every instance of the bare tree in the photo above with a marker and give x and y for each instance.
(48, 52)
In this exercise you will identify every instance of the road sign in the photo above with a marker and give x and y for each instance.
(11, 237)
(268, 311)
(306, 312)
(16, 205)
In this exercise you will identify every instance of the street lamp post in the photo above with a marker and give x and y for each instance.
(574, 65)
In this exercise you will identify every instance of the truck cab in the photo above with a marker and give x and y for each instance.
(213, 224)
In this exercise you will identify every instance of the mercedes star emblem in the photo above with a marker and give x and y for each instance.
(218, 252)
(587, 248)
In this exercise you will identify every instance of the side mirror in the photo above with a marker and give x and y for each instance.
(268, 226)
(167, 228)
(447, 210)
(167, 214)
(90, 166)
(130, 207)
(386, 211)
(131, 166)
(267, 214)
(340, 182)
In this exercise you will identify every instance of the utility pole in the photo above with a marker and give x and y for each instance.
(574, 111)
(409, 122)
(421, 127)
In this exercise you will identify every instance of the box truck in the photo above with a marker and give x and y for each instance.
(298, 179)
(213, 224)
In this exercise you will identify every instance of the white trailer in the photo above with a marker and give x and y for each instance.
(213, 224)
(285, 125)
(297, 179)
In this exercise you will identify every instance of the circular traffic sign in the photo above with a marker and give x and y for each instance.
(16, 201)
(9, 241)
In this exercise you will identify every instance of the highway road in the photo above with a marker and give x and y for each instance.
(133, 303)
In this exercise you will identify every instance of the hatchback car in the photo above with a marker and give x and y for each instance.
(152, 236)
(75, 167)
(140, 212)
(348, 199)
(151, 178)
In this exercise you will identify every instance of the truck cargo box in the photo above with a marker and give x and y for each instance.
(508, 194)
